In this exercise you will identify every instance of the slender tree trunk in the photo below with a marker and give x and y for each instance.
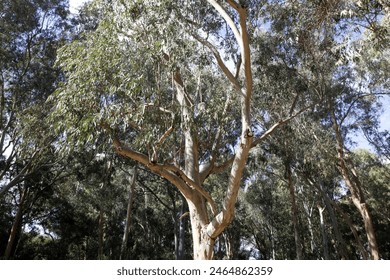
(295, 213)
(324, 235)
(330, 207)
(340, 246)
(16, 227)
(180, 225)
(353, 230)
(129, 213)
(177, 216)
(272, 239)
(180, 232)
(309, 215)
(311, 232)
(228, 246)
(357, 195)
(101, 234)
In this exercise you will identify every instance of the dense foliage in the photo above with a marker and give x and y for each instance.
(194, 129)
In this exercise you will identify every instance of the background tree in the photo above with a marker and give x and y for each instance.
(30, 34)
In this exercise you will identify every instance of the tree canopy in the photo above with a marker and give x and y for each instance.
(245, 111)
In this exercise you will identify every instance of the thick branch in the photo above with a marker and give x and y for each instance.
(170, 172)
(197, 188)
(246, 52)
(191, 157)
(161, 170)
(223, 219)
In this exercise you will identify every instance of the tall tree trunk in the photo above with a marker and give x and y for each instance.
(330, 207)
(180, 232)
(353, 230)
(188, 178)
(101, 234)
(324, 235)
(179, 216)
(294, 212)
(129, 213)
(16, 226)
(357, 195)
(340, 245)
(272, 239)
(309, 215)
(228, 246)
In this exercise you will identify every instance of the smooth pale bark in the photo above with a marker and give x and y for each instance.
(228, 246)
(203, 244)
(294, 212)
(128, 213)
(329, 207)
(357, 195)
(324, 235)
(188, 179)
(309, 215)
(340, 246)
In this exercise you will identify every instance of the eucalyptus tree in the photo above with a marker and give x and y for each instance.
(30, 33)
(330, 67)
(188, 89)
(172, 85)
(374, 175)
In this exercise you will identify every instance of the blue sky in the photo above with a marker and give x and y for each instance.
(74, 4)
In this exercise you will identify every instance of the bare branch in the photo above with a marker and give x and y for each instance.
(20, 177)
(293, 105)
(278, 124)
(220, 62)
(228, 20)
(238, 67)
